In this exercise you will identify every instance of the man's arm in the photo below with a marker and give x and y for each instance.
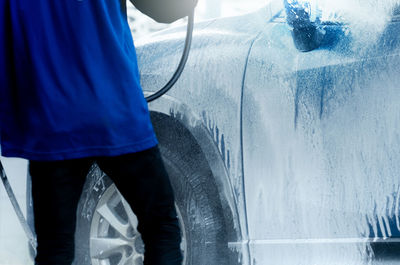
(165, 11)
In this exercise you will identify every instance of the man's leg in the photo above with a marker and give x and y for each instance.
(56, 188)
(142, 180)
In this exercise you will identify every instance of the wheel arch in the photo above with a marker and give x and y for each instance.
(169, 114)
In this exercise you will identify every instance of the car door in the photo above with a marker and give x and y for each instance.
(321, 149)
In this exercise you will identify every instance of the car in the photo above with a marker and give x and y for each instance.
(281, 139)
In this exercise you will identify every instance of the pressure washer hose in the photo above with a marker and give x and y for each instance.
(182, 63)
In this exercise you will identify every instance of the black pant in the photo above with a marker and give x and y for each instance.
(142, 180)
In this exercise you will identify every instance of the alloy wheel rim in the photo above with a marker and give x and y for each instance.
(114, 239)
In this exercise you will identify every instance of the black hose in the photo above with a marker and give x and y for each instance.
(182, 63)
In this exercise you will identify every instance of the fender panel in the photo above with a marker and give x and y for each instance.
(194, 124)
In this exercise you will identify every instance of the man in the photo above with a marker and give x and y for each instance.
(70, 96)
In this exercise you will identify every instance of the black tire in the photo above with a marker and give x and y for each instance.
(197, 202)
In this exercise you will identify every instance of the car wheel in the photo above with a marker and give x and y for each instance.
(106, 226)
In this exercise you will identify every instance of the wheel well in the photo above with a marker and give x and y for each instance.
(173, 135)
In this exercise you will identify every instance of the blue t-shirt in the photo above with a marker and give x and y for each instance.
(69, 81)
